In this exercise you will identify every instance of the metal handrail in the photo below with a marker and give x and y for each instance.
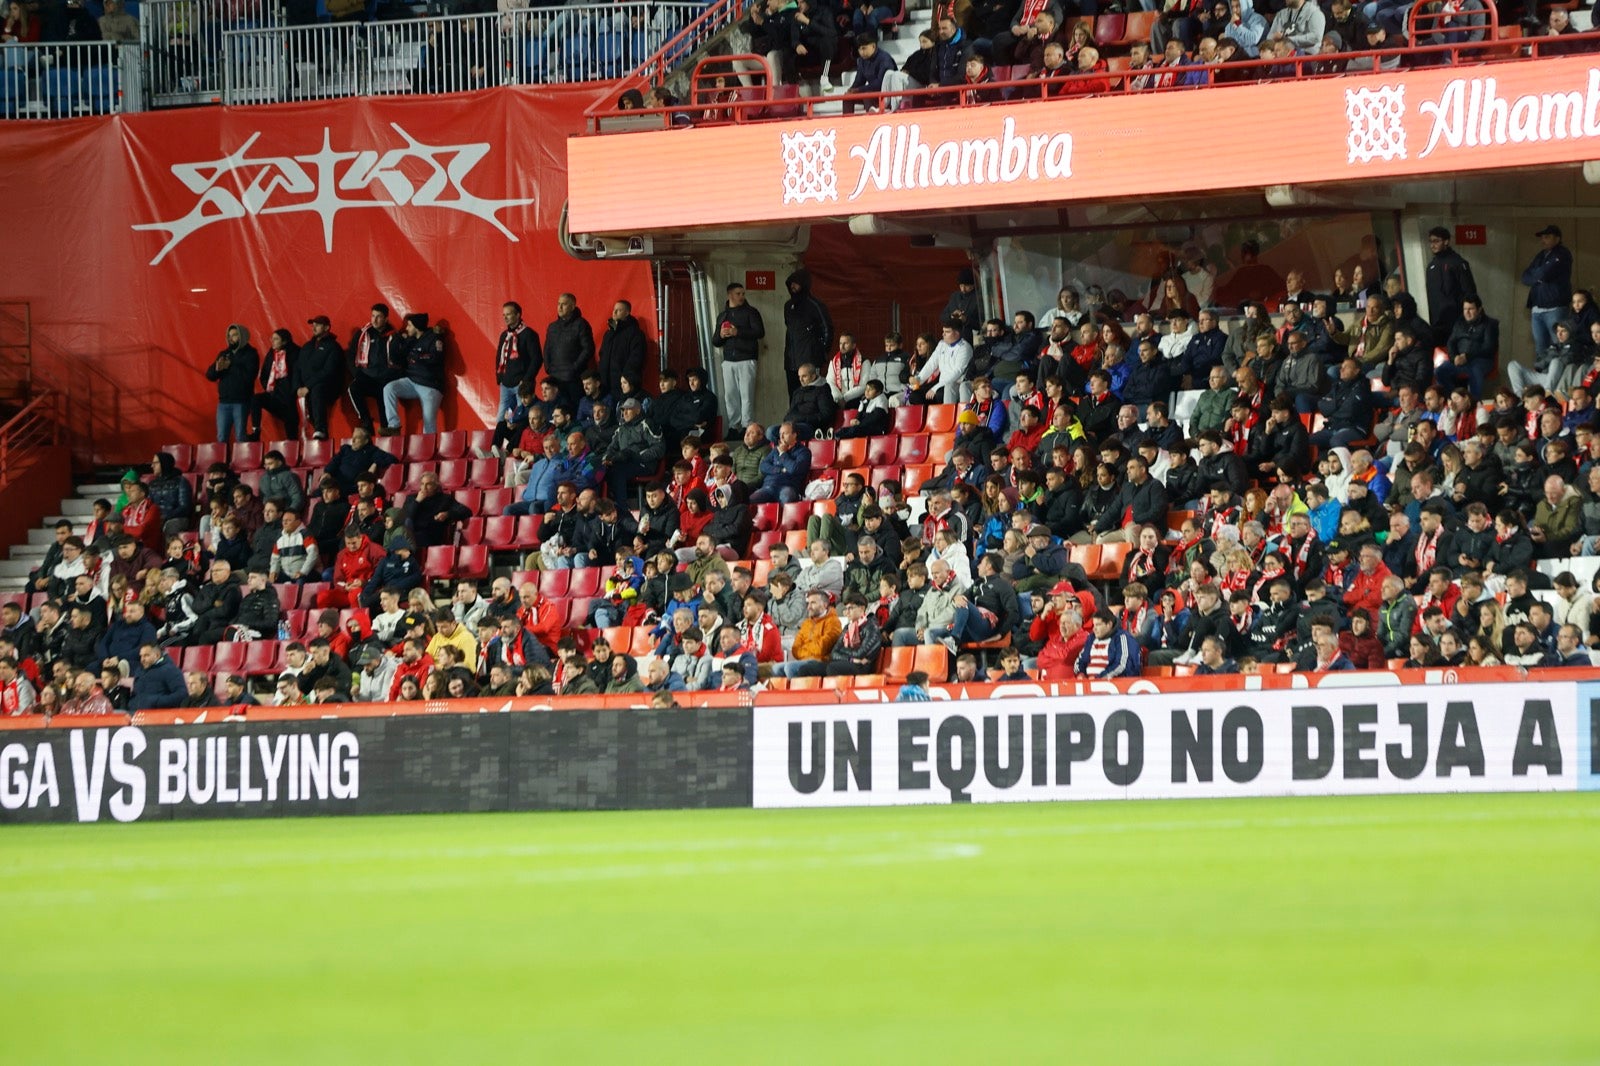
(36, 426)
(62, 79)
(655, 69)
(447, 53)
(1107, 82)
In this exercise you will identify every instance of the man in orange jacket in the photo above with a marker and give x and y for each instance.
(819, 631)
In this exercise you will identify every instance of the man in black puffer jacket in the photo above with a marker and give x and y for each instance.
(568, 348)
(622, 351)
(318, 370)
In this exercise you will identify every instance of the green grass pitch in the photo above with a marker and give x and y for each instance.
(1398, 930)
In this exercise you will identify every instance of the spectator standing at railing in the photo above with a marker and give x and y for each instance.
(622, 352)
(234, 371)
(117, 25)
(1549, 281)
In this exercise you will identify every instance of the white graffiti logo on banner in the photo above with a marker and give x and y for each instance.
(319, 183)
(1377, 123)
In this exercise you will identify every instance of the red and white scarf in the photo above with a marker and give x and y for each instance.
(508, 347)
(279, 369)
(1427, 549)
(1302, 555)
(844, 378)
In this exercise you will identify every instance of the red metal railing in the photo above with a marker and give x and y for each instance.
(1493, 49)
(655, 69)
(36, 426)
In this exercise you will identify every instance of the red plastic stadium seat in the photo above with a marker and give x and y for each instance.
(1112, 557)
(470, 498)
(577, 612)
(934, 659)
(288, 596)
(230, 657)
(897, 662)
(1108, 29)
(414, 473)
(851, 452)
(208, 453)
(822, 452)
(796, 540)
(940, 445)
(453, 445)
(472, 562)
(880, 474)
(289, 449)
(641, 643)
(252, 479)
(499, 532)
(912, 477)
(528, 530)
(263, 657)
(182, 456)
(882, 451)
(585, 582)
(914, 448)
(420, 448)
(316, 453)
(495, 501)
(452, 474)
(199, 659)
(472, 531)
(310, 591)
(793, 515)
(759, 570)
(1137, 25)
(246, 456)
(908, 419)
(941, 418)
(554, 583)
(761, 547)
(393, 479)
(440, 564)
(766, 517)
(485, 474)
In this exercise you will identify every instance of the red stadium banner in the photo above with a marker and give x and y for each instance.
(1373, 127)
(137, 239)
(1075, 688)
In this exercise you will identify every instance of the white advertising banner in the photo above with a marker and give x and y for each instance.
(1351, 741)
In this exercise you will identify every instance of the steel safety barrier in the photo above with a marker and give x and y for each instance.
(183, 43)
(448, 53)
(64, 80)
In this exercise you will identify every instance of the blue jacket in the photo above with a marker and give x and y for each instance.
(122, 641)
(1203, 353)
(159, 686)
(1124, 656)
(870, 72)
(543, 477)
(781, 470)
(583, 470)
(1325, 520)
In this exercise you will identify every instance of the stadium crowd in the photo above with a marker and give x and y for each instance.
(975, 45)
(1116, 486)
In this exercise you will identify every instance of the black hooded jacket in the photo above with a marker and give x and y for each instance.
(237, 380)
(808, 326)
